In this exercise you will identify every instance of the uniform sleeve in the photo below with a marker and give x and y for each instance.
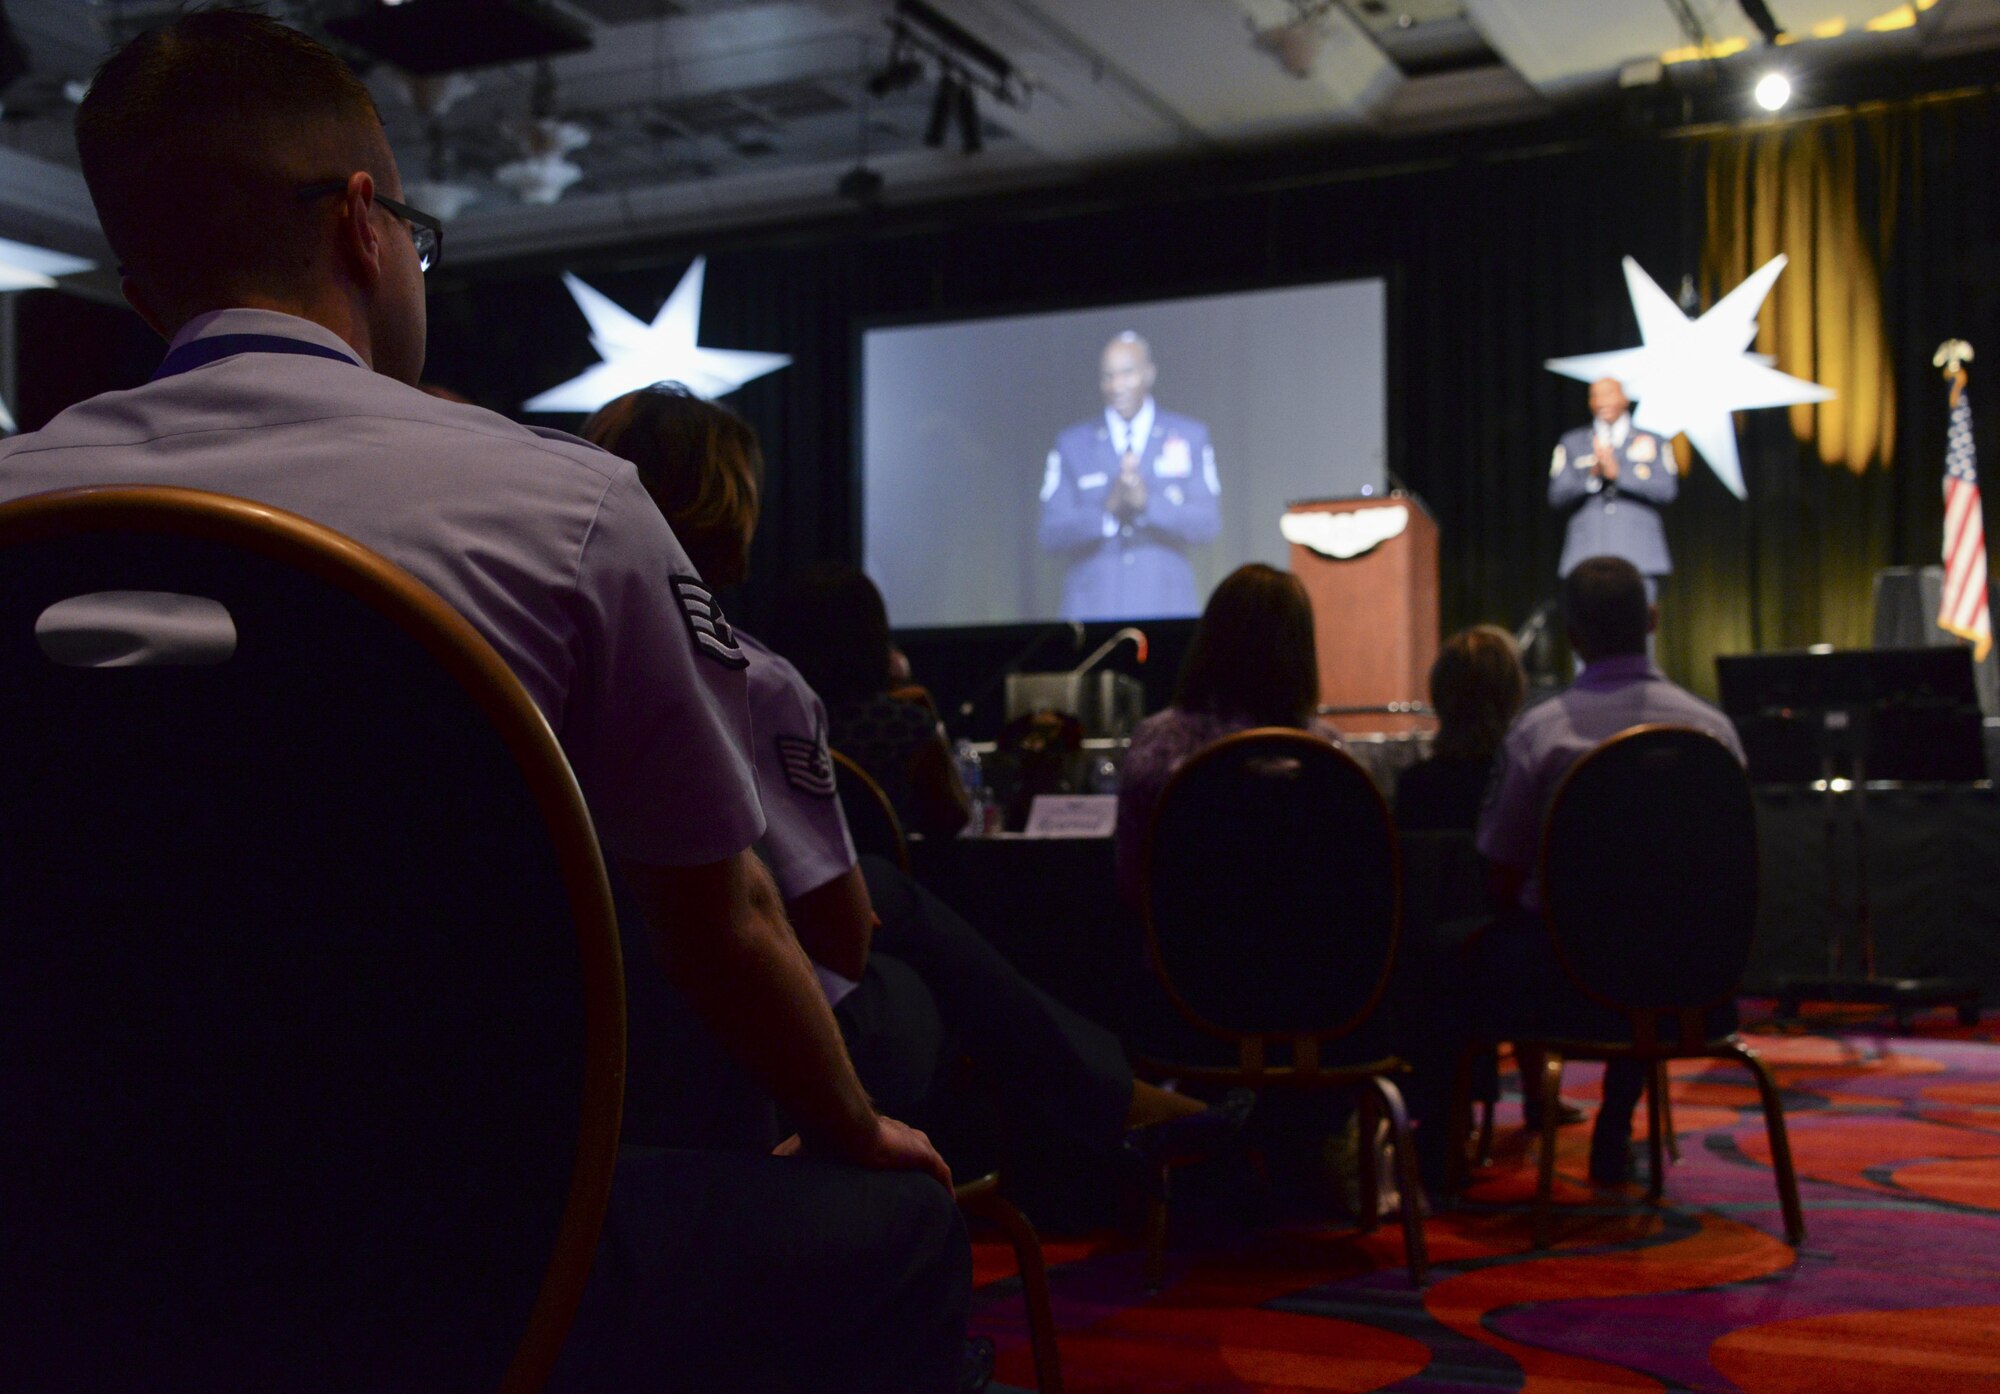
(1510, 823)
(1567, 483)
(1651, 479)
(657, 725)
(1072, 516)
(805, 835)
(1188, 510)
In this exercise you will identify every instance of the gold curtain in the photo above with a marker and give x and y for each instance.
(1792, 188)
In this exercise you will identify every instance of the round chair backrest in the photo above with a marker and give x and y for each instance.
(311, 1014)
(871, 818)
(1270, 887)
(1649, 870)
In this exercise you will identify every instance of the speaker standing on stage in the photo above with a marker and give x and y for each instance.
(1613, 479)
(1126, 494)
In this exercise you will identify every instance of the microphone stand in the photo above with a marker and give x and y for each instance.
(1013, 665)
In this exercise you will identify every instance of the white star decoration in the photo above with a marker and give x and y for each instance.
(637, 354)
(1689, 375)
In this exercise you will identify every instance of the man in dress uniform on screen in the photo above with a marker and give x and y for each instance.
(1613, 479)
(1126, 494)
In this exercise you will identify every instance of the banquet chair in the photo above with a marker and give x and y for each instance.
(310, 992)
(871, 818)
(981, 1199)
(875, 828)
(1649, 882)
(1271, 893)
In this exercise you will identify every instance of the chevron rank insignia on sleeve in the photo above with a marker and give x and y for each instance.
(713, 638)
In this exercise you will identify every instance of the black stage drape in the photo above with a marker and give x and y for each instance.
(1500, 256)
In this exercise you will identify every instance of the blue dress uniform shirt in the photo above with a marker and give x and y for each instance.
(1620, 518)
(1140, 569)
(549, 547)
(806, 842)
(1609, 696)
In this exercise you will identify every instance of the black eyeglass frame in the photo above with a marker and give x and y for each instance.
(420, 222)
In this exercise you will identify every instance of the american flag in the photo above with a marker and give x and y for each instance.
(1964, 611)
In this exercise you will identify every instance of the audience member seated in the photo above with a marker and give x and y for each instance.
(1252, 663)
(1476, 688)
(914, 987)
(242, 176)
(834, 627)
(1514, 984)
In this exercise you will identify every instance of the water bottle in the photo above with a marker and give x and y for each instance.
(974, 779)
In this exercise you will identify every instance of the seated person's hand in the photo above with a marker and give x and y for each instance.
(899, 1147)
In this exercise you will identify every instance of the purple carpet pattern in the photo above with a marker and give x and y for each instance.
(1897, 1287)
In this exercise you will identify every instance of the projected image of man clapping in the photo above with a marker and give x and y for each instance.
(1126, 494)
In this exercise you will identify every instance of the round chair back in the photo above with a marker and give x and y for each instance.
(1649, 870)
(311, 1008)
(1271, 887)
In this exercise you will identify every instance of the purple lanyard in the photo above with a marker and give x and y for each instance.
(196, 353)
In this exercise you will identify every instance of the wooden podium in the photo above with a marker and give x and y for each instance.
(1371, 567)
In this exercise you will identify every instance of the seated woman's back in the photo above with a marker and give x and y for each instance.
(1252, 663)
(1476, 688)
(834, 628)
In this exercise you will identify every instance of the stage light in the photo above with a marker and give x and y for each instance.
(862, 185)
(970, 138)
(1773, 91)
(902, 71)
(1759, 14)
(943, 106)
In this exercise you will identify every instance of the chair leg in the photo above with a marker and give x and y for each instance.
(1781, 1143)
(1156, 1231)
(1483, 1154)
(1034, 1288)
(1663, 1087)
(1545, 1181)
(1416, 1253)
(1655, 1146)
(1459, 1122)
(1366, 1118)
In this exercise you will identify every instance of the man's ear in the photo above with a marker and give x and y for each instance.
(359, 242)
(143, 307)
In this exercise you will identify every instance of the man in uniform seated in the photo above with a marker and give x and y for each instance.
(1513, 963)
(242, 175)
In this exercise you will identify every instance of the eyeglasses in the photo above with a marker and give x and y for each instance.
(425, 231)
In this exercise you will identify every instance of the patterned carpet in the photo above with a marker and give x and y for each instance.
(1897, 1141)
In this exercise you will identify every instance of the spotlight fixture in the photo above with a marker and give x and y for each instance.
(970, 138)
(943, 106)
(925, 38)
(861, 185)
(1759, 14)
(902, 71)
(1774, 89)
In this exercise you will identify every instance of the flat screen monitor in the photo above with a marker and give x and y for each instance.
(1112, 463)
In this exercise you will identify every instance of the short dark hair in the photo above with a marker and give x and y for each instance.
(1253, 656)
(833, 627)
(1476, 687)
(194, 138)
(1605, 607)
(700, 462)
